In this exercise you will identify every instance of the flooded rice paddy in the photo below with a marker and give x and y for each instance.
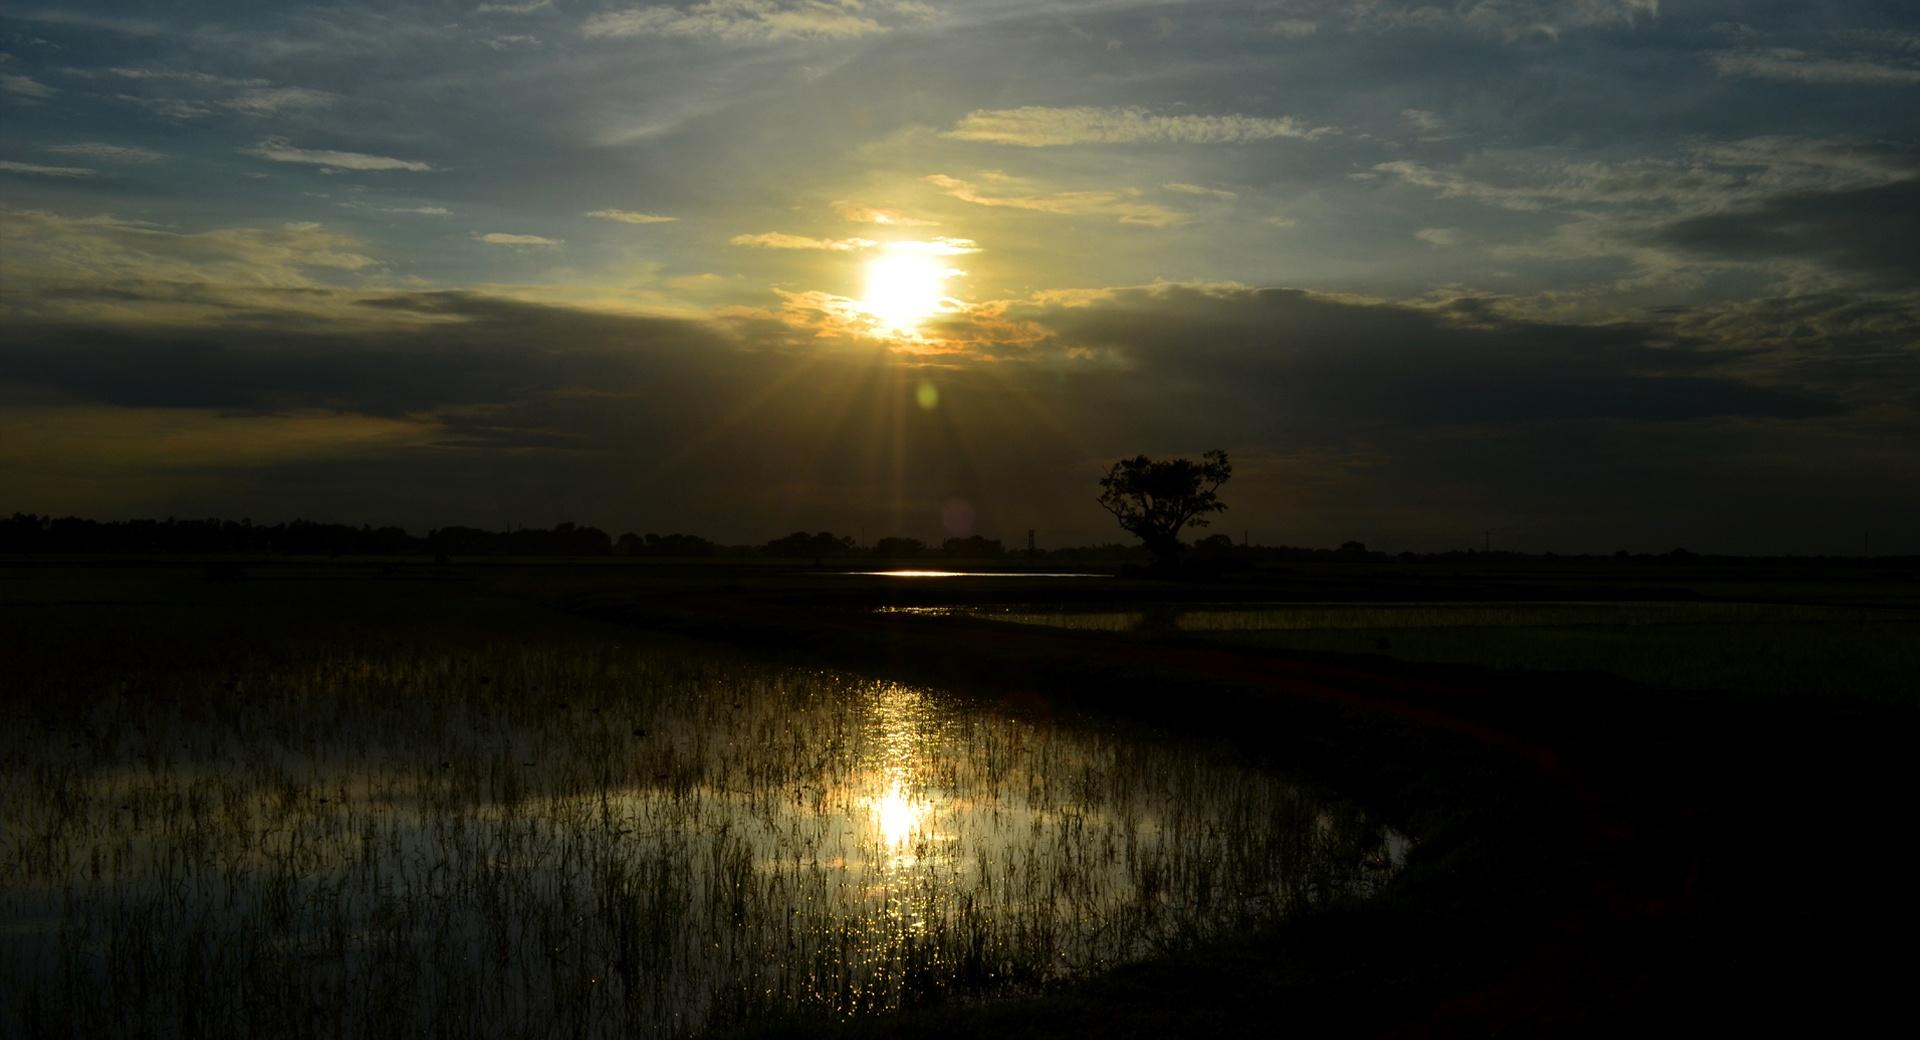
(593, 840)
(1335, 616)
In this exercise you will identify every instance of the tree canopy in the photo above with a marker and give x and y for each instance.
(1155, 499)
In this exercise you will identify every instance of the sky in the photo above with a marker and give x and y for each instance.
(1566, 276)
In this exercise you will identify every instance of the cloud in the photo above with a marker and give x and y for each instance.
(628, 216)
(261, 101)
(1196, 189)
(1118, 204)
(102, 267)
(1438, 236)
(1793, 66)
(862, 213)
(121, 153)
(1866, 230)
(1347, 417)
(525, 7)
(278, 149)
(424, 211)
(19, 86)
(1040, 127)
(1508, 19)
(934, 247)
(37, 170)
(205, 79)
(501, 238)
(1710, 176)
(1423, 120)
(1299, 354)
(738, 21)
(781, 240)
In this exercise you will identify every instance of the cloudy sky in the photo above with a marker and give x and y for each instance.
(1588, 274)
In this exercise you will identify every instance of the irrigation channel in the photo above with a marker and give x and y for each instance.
(594, 840)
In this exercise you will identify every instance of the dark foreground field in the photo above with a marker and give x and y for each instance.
(1591, 851)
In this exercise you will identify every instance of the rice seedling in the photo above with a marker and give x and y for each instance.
(569, 837)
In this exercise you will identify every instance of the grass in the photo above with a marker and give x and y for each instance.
(389, 811)
(1696, 862)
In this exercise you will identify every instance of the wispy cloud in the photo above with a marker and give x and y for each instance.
(781, 240)
(738, 20)
(934, 247)
(1799, 67)
(861, 213)
(1199, 189)
(1708, 176)
(501, 238)
(525, 7)
(205, 79)
(278, 149)
(123, 153)
(628, 216)
(37, 170)
(19, 86)
(1123, 205)
(1036, 126)
(260, 101)
(107, 266)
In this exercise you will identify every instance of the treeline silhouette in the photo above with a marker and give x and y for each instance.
(27, 533)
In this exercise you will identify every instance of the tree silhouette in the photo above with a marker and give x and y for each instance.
(1153, 500)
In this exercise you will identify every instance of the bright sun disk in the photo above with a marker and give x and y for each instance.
(904, 288)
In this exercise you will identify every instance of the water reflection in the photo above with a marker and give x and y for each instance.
(910, 573)
(612, 845)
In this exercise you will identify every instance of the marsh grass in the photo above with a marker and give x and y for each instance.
(564, 836)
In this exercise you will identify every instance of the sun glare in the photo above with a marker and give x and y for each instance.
(897, 815)
(904, 288)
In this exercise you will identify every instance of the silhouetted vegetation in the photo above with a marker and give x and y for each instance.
(973, 547)
(1155, 500)
(30, 534)
(818, 546)
(650, 544)
(898, 548)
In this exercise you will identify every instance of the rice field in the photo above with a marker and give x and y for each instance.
(572, 837)
(1775, 649)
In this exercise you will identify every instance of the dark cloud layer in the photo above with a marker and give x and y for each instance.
(1870, 230)
(1395, 422)
(1373, 364)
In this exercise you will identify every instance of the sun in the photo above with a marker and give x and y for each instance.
(904, 288)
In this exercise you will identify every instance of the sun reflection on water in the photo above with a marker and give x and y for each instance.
(824, 841)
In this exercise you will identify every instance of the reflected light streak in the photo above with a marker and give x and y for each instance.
(898, 815)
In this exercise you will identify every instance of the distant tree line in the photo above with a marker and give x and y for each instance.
(29, 533)
(26, 533)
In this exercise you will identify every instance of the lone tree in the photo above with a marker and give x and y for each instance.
(1154, 500)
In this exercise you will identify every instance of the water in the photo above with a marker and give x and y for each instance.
(971, 574)
(1313, 616)
(597, 841)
